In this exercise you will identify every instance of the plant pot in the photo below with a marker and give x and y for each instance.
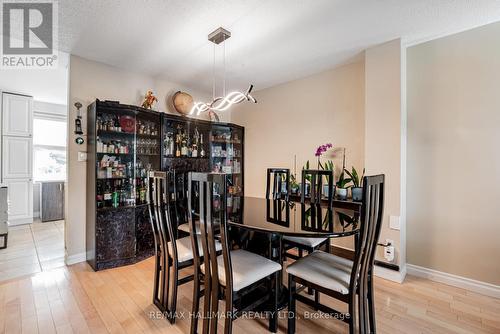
(295, 190)
(341, 193)
(325, 190)
(357, 193)
(307, 189)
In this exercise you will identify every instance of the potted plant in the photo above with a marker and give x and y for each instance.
(357, 183)
(341, 186)
(294, 185)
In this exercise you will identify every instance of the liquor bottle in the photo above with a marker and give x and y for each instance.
(202, 152)
(99, 196)
(115, 197)
(184, 149)
(178, 145)
(107, 195)
(117, 128)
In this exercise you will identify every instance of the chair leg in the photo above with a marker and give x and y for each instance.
(196, 304)
(352, 314)
(156, 284)
(175, 288)
(273, 320)
(371, 306)
(292, 289)
(228, 322)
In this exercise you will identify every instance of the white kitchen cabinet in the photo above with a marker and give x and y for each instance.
(17, 158)
(20, 197)
(17, 115)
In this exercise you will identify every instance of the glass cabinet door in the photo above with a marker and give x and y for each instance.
(148, 148)
(115, 148)
(227, 158)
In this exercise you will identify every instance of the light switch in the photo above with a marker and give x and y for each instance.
(394, 223)
(82, 156)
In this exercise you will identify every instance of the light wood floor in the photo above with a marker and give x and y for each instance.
(76, 299)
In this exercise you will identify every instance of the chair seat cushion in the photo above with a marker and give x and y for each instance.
(185, 227)
(248, 268)
(323, 269)
(185, 248)
(310, 242)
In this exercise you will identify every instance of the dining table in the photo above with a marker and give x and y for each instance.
(278, 218)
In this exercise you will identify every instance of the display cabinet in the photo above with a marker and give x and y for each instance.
(123, 144)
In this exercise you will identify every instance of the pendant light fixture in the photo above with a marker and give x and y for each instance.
(224, 102)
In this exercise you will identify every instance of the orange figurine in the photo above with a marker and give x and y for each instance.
(149, 99)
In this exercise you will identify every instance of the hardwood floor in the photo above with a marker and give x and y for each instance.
(77, 300)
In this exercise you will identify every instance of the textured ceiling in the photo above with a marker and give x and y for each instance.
(273, 41)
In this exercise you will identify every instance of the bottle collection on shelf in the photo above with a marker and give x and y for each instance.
(147, 128)
(126, 124)
(118, 186)
(114, 146)
(180, 144)
(108, 122)
(226, 137)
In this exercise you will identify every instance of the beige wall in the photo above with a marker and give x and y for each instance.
(384, 133)
(453, 154)
(90, 80)
(296, 117)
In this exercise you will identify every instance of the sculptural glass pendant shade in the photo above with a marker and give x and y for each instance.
(221, 103)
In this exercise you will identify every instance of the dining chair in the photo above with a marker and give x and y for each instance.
(341, 278)
(172, 253)
(314, 198)
(233, 275)
(278, 183)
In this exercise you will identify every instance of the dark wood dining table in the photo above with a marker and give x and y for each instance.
(260, 215)
(256, 215)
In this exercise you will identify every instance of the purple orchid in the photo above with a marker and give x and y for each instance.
(322, 149)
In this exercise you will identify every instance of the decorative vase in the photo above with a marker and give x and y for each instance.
(341, 193)
(357, 193)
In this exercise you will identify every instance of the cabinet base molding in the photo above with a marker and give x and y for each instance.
(484, 288)
(75, 258)
(23, 221)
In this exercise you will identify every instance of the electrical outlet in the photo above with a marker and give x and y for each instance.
(389, 250)
(394, 223)
(82, 156)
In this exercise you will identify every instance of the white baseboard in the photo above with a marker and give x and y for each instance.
(455, 280)
(391, 275)
(23, 221)
(75, 258)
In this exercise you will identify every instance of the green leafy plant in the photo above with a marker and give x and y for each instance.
(346, 220)
(306, 167)
(357, 181)
(293, 182)
(343, 181)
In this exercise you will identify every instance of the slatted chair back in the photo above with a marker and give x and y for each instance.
(159, 212)
(278, 183)
(212, 216)
(179, 197)
(371, 223)
(317, 192)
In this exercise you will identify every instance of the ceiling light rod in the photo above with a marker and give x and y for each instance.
(222, 103)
